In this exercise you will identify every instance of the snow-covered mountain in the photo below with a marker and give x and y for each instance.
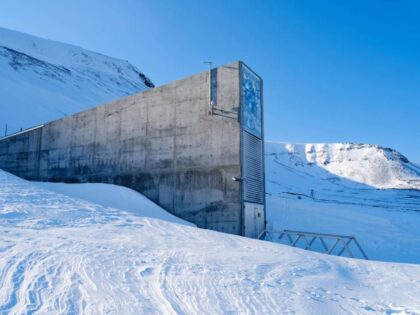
(64, 255)
(367, 191)
(362, 163)
(42, 80)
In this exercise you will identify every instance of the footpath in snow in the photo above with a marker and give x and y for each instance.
(64, 255)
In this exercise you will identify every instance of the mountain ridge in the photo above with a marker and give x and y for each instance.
(42, 80)
(377, 166)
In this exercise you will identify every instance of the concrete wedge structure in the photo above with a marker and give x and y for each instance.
(194, 146)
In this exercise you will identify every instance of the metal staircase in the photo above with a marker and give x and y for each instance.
(330, 244)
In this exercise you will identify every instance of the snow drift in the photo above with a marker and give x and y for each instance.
(63, 255)
(114, 196)
(43, 80)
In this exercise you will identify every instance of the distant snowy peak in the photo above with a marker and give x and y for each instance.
(42, 80)
(363, 163)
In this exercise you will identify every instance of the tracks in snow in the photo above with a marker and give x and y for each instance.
(66, 256)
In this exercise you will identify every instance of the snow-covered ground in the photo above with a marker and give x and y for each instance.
(43, 80)
(338, 188)
(114, 196)
(64, 255)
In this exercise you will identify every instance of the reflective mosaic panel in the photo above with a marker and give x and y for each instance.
(251, 102)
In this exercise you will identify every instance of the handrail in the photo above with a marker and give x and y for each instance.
(294, 238)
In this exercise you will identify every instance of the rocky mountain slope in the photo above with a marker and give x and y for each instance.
(42, 80)
(362, 163)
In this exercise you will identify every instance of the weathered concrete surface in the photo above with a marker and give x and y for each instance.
(162, 143)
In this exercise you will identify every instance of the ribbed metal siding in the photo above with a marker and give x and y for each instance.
(253, 172)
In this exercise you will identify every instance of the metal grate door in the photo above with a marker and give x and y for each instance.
(253, 168)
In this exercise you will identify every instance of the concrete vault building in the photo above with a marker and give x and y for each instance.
(194, 146)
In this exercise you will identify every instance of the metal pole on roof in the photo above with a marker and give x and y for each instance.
(209, 63)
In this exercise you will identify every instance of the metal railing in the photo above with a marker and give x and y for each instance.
(330, 244)
(22, 131)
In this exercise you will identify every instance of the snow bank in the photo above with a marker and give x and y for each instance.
(114, 196)
(43, 80)
(62, 255)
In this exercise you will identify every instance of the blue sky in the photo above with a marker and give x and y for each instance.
(334, 71)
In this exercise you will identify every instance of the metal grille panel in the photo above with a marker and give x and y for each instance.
(253, 168)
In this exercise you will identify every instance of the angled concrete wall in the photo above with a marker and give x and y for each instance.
(162, 143)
